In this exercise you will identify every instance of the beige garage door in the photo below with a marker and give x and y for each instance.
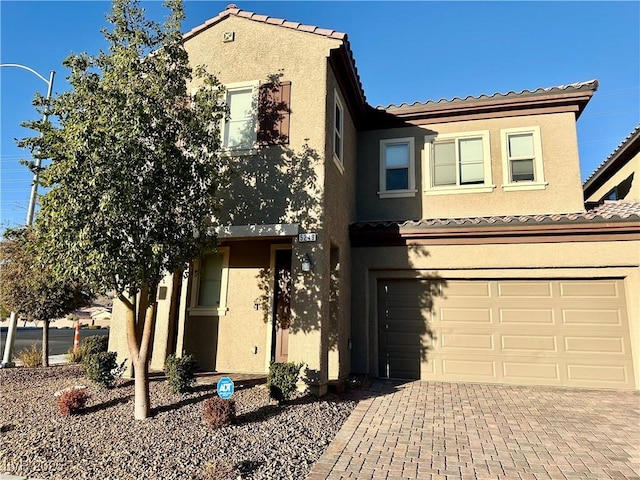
(539, 332)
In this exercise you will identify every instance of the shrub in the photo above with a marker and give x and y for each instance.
(89, 346)
(218, 412)
(30, 357)
(95, 344)
(282, 379)
(102, 368)
(216, 470)
(180, 372)
(72, 401)
(75, 356)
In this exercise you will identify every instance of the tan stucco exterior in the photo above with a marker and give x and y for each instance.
(562, 194)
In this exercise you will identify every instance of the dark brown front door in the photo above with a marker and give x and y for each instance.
(282, 305)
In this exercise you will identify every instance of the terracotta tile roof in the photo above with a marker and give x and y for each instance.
(235, 11)
(590, 85)
(608, 211)
(629, 138)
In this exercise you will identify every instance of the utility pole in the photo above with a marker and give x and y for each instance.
(13, 320)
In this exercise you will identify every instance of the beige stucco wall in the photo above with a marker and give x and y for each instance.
(339, 212)
(630, 171)
(521, 261)
(262, 194)
(563, 194)
(237, 340)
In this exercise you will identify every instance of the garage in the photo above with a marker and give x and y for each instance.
(562, 332)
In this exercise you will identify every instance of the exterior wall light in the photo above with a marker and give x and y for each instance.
(306, 263)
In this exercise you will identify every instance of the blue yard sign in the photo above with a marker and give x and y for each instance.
(225, 388)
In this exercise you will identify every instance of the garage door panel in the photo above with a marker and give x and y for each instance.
(586, 374)
(526, 372)
(530, 316)
(458, 289)
(466, 341)
(454, 369)
(605, 289)
(465, 315)
(595, 317)
(595, 345)
(526, 343)
(527, 289)
(544, 332)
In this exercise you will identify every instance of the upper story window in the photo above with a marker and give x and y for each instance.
(397, 168)
(258, 114)
(338, 132)
(522, 159)
(211, 279)
(458, 163)
(240, 129)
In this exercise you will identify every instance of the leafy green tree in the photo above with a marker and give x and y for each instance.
(134, 168)
(29, 287)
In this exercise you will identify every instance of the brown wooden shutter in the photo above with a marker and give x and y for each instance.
(274, 113)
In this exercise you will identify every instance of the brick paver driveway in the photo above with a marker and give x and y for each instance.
(422, 430)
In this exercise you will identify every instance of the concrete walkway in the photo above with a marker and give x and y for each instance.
(446, 431)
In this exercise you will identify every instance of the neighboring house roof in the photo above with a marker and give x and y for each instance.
(623, 152)
(233, 10)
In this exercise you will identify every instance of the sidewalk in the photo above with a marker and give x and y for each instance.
(53, 360)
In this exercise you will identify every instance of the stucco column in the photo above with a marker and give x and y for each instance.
(308, 334)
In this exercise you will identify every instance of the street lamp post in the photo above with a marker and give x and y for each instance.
(13, 321)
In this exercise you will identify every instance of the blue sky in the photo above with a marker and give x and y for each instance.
(404, 51)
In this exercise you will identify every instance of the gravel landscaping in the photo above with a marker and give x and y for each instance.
(268, 441)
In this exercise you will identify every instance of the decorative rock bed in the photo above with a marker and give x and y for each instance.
(267, 441)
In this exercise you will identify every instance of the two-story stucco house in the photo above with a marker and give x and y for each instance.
(441, 240)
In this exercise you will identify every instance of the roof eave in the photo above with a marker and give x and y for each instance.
(574, 102)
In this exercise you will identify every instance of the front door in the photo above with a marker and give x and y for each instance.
(281, 305)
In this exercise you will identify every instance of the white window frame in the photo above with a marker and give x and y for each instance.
(409, 192)
(431, 140)
(338, 156)
(197, 310)
(538, 182)
(230, 88)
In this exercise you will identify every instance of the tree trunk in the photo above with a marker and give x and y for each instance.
(45, 343)
(141, 390)
(139, 333)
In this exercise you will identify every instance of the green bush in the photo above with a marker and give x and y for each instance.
(88, 346)
(30, 357)
(72, 401)
(102, 368)
(282, 379)
(181, 372)
(95, 344)
(218, 412)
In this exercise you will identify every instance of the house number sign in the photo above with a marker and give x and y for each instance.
(307, 237)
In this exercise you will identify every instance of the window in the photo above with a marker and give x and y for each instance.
(522, 159)
(397, 168)
(210, 284)
(457, 163)
(338, 131)
(239, 130)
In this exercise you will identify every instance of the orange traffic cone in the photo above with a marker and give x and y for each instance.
(76, 338)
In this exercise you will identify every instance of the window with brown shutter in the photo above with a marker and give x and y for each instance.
(273, 113)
